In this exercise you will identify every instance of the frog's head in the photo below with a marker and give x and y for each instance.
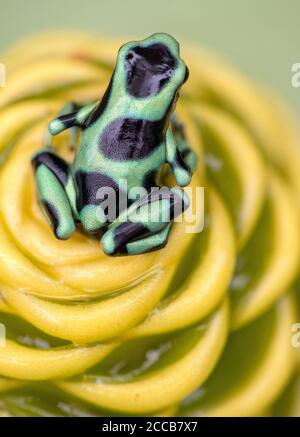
(152, 68)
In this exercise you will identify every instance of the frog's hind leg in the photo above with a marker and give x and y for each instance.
(145, 226)
(149, 243)
(56, 192)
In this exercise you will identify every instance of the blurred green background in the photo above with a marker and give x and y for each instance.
(261, 37)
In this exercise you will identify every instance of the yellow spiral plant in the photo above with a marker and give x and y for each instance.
(201, 327)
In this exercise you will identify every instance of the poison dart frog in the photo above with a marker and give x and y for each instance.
(129, 135)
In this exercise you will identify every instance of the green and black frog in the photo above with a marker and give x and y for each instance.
(128, 135)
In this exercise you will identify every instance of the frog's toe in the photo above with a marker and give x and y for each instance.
(65, 229)
(108, 244)
(53, 196)
(183, 177)
(92, 218)
(56, 126)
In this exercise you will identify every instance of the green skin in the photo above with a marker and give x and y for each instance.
(67, 199)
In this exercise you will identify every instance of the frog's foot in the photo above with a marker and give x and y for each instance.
(149, 243)
(56, 192)
(145, 226)
(92, 218)
(153, 241)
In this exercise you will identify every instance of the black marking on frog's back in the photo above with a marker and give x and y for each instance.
(148, 69)
(88, 184)
(127, 139)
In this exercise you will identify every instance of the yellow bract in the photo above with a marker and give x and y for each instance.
(200, 327)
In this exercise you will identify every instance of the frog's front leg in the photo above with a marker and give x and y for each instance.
(145, 226)
(181, 159)
(72, 115)
(56, 192)
(69, 108)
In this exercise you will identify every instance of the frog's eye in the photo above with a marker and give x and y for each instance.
(148, 69)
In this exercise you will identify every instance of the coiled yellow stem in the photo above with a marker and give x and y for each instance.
(201, 327)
